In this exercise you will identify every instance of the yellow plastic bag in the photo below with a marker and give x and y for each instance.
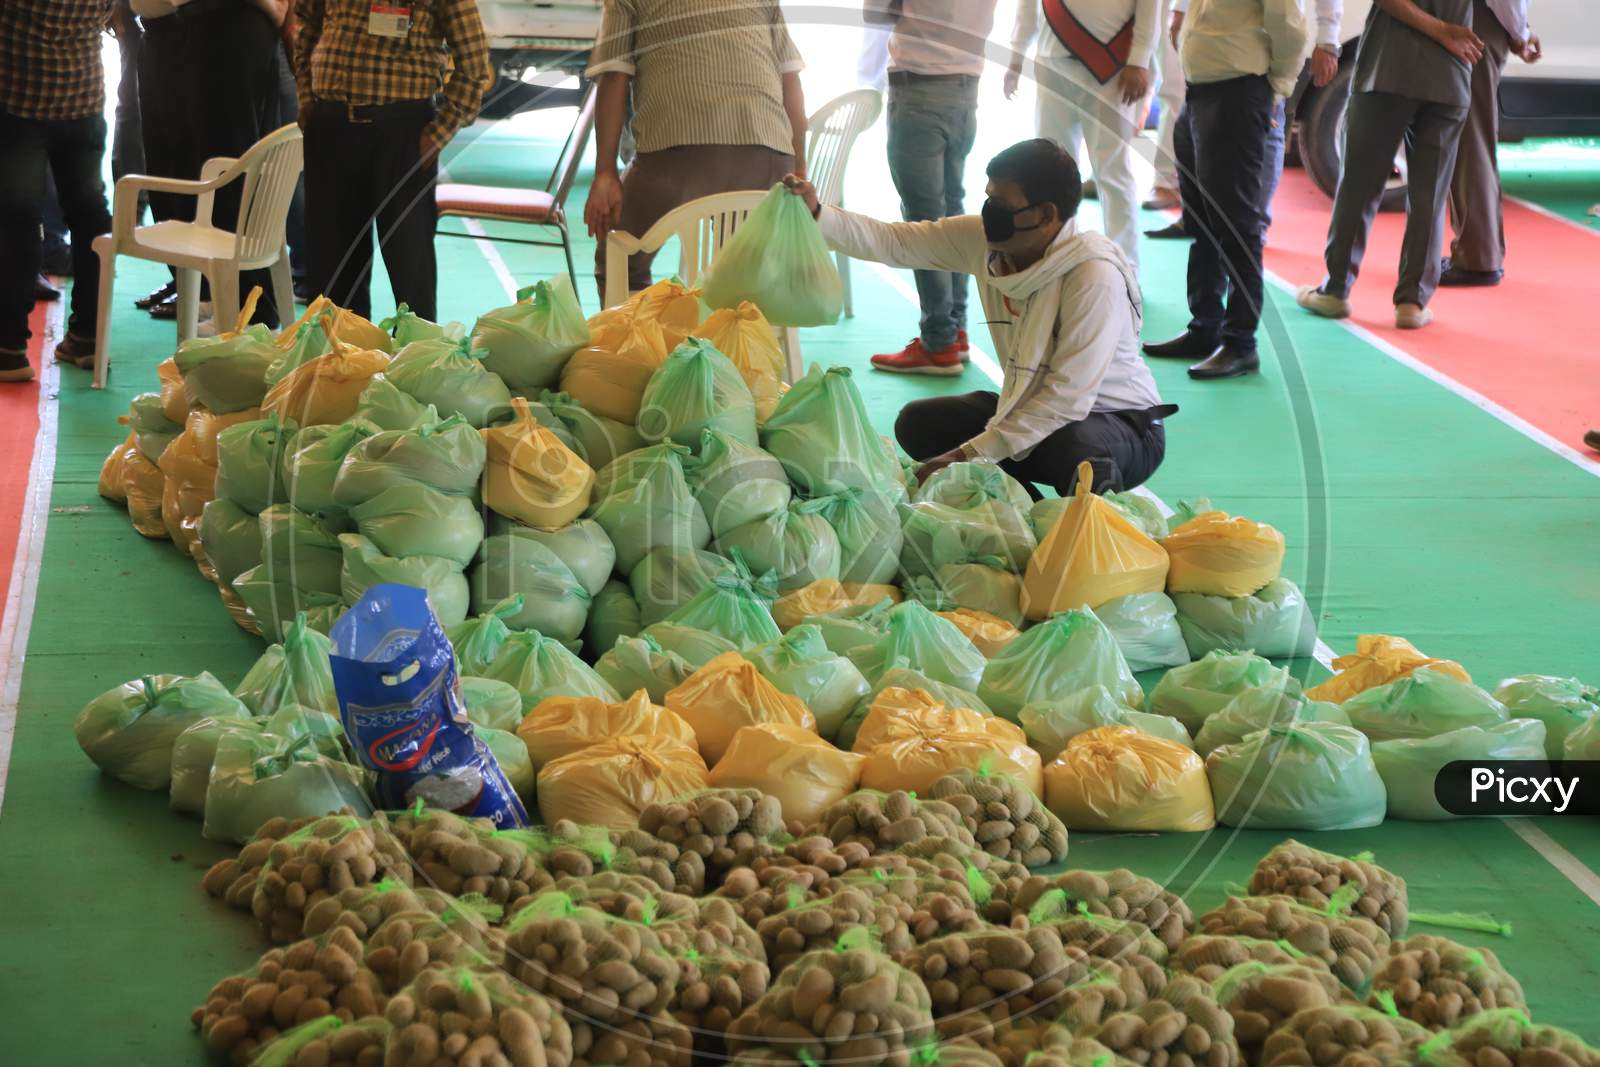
(181, 527)
(207, 427)
(560, 726)
(897, 714)
(729, 693)
(530, 475)
(325, 390)
(1216, 554)
(669, 304)
(191, 480)
(1091, 555)
(343, 324)
(1120, 778)
(239, 612)
(827, 595)
(989, 633)
(608, 784)
(609, 379)
(1378, 660)
(914, 762)
(142, 485)
(174, 401)
(789, 762)
(110, 485)
(743, 334)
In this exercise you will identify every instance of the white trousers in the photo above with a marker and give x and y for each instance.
(1078, 112)
(1171, 96)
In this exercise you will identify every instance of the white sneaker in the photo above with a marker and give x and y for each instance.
(1411, 317)
(1314, 300)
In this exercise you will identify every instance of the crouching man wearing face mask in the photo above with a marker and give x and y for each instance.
(1063, 309)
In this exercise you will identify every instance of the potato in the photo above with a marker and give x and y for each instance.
(1207, 956)
(1505, 1037)
(1439, 983)
(1164, 1029)
(884, 822)
(409, 943)
(726, 828)
(1042, 1043)
(1118, 894)
(1351, 946)
(1004, 817)
(1261, 996)
(1343, 1035)
(325, 857)
(234, 880)
(473, 1017)
(1312, 876)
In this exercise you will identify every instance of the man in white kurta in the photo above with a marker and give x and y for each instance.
(1063, 309)
(1091, 100)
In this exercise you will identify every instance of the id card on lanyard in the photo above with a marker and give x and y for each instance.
(388, 20)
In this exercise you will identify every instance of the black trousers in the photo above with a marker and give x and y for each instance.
(1124, 448)
(72, 150)
(361, 173)
(208, 86)
(1224, 176)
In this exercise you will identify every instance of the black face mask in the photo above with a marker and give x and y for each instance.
(1000, 222)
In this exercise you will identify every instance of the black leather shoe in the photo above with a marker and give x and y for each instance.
(1460, 277)
(1171, 232)
(1184, 346)
(1226, 362)
(151, 299)
(1592, 439)
(166, 310)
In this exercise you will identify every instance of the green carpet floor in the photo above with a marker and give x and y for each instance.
(1428, 518)
(1559, 176)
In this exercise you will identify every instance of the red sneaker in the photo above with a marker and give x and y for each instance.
(914, 359)
(963, 346)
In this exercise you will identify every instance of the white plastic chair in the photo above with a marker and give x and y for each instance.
(830, 136)
(269, 170)
(702, 227)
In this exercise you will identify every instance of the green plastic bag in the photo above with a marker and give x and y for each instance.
(852, 627)
(257, 777)
(537, 667)
(295, 672)
(530, 341)
(1258, 709)
(1065, 653)
(625, 472)
(447, 455)
(1410, 766)
(406, 326)
(993, 533)
(1200, 689)
(276, 604)
(300, 550)
(1274, 622)
(1300, 776)
(1052, 722)
(477, 640)
(649, 505)
(450, 376)
(193, 753)
(613, 614)
(1421, 704)
(1146, 627)
(869, 535)
(795, 544)
(152, 430)
(413, 520)
(366, 565)
(227, 373)
(695, 646)
(799, 663)
(247, 462)
(737, 483)
(310, 341)
(325, 730)
(511, 754)
(595, 438)
(821, 434)
(731, 607)
(971, 485)
(1142, 511)
(667, 579)
(1583, 742)
(129, 731)
(388, 407)
(582, 545)
(554, 601)
(1562, 704)
(636, 663)
(311, 463)
(779, 261)
(491, 703)
(231, 537)
(932, 645)
(1045, 513)
(974, 586)
(902, 676)
(695, 390)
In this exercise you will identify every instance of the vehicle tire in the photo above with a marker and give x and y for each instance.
(1320, 140)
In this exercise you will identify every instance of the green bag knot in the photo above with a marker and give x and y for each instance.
(1343, 898)
(793, 897)
(1052, 905)
(511, 605)
(649, 909)
(416, 809)
(1385, 999)
(1364, 857)
(1293, 952)
(855, 938)
(529, 291)
(978, 886)
(807, 1058)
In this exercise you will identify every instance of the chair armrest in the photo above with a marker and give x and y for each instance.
(619, 246)
(212, 170)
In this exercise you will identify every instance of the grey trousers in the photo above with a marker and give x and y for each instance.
(1475, 211)
(1375, 126)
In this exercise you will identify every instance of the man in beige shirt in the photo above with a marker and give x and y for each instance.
(717, 107)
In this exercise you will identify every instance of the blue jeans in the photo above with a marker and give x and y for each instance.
(932, 125)
(71, 150)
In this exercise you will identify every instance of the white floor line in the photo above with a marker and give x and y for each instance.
(1583, 462)
(1540, 209)
(1587, 882)
(18, 619)
(485, 245)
